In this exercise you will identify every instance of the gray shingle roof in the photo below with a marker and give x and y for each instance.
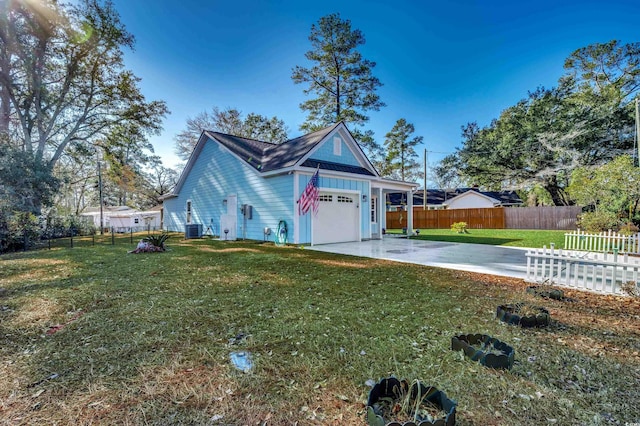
(266, 156)
(336, 167)
(438, 196)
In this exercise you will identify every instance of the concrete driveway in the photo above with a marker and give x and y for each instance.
(486, 259)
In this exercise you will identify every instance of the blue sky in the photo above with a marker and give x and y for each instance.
(443, 64)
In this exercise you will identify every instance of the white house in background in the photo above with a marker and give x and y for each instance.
(245, 186)
(124, 218)
(459, 198)
(472, 199)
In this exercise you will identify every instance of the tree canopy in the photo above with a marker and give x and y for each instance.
(63, 81)
(340, 79)
(400, 161)
(229, 121)
(586, 120)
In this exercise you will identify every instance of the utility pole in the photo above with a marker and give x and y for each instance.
(101, 203)
(424, 193)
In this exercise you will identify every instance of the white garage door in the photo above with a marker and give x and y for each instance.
(337, 220)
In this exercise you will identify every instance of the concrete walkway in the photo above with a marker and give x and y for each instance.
(486, 259)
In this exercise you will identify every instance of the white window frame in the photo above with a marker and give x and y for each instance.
(337, 146)
(189, 210)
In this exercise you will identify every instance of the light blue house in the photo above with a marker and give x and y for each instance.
(243, 188)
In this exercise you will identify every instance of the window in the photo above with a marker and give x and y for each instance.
(343, 199)
(136, 220)
(374, 209)
(337, 146)
(189, 211)
(325, 198)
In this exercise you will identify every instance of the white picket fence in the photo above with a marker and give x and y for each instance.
(602, 242)
(597, 272)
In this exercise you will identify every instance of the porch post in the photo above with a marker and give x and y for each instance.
(409, 212)
(382, 212)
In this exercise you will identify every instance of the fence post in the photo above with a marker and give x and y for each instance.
(71, 234)
(131, 233)
(93, 239)
(24, 240)
(614, 274)
(113, 240)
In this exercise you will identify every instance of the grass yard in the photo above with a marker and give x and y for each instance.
(94, 335)
(495, 237)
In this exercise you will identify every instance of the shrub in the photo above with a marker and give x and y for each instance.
(459, 227)
(157, 240)
(628, 229)
(598, 221)
(17, 230)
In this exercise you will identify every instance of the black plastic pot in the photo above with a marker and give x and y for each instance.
(398, 390)
(512, 314)
(478, 347)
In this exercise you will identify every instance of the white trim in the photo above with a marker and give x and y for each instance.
(337, 146)
(296, 216)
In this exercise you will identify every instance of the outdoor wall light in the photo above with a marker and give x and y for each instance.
(364, 198)
(224, 202)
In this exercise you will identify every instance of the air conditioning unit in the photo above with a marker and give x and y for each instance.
(193, 230)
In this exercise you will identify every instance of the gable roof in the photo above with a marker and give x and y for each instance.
(267, 157)
(437, 197)
(474, 193)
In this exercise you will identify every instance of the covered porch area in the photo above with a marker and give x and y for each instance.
(379, 190)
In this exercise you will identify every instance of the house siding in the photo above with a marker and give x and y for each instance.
(469, 200)
(332, 183)
(325, 152)
(216, 174)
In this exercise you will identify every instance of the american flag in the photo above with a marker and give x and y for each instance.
(309, 197)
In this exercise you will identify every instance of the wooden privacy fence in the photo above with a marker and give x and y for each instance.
(492, 218)
(542, 217)
(598, 272)
(553, 218)
(602, 242)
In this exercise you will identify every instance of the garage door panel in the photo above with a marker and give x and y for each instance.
(337, 219)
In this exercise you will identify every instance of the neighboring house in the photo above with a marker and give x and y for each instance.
(124, 218)
(461, 198)
(474, 199)
(246, 186)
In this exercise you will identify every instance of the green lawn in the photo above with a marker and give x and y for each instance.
(94, 335)
(496, 237)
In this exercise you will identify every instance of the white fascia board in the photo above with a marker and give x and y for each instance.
(393, 185)
(187, 168)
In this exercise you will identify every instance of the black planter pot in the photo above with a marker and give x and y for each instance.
(481, 348)
(513, 314)
(392, 389)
